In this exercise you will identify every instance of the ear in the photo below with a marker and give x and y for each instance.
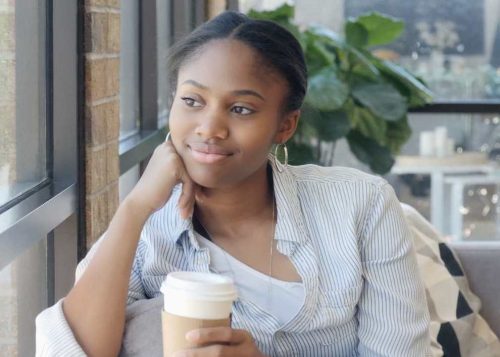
(287, 127)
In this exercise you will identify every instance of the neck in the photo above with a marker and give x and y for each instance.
(227, 211)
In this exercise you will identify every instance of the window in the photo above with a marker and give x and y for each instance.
(174, 18)
(38, 163)
(129, 69)
(23, 154)
(164, 39)
(453, 45)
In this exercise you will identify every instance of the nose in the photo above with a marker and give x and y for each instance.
(213, 125)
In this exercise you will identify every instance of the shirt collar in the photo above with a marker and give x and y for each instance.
(290, 221)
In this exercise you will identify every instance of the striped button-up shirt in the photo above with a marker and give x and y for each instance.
(346, 235)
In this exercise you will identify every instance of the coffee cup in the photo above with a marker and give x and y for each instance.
(194, 300)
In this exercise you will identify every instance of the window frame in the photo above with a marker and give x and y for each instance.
(49, 211)
(33, 215)
(462, 107)
(184, 16)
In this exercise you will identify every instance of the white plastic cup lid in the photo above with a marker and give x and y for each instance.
(202, 286)
(198, 295)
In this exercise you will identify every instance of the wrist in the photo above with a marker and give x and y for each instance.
(136, 208)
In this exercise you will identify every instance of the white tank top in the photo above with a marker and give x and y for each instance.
(281, 299)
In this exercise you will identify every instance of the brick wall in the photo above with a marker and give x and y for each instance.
(102, 113)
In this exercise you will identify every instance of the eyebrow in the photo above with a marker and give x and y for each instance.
(235, 92)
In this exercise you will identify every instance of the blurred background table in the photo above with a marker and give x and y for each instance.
(438, 168)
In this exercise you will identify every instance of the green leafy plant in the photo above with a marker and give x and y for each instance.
(352, 93)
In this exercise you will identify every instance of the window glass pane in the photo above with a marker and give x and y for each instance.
(23, 294)
(22, 98)
(129, 68)
(459, 192)
(164, 36)
(453, 45)
(128, 181)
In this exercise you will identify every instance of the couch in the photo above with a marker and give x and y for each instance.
(481, 262)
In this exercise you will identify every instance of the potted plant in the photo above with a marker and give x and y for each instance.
(352, 93)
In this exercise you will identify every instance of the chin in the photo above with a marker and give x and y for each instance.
(207, 178)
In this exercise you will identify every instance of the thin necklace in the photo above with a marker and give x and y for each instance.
(271, 253)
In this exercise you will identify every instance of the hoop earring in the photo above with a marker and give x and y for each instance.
(277, 163)
(168, 137)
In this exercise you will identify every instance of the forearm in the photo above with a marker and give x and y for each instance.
(95, 307)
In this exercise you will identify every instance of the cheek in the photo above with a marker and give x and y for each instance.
(176, 123)
(254, 142)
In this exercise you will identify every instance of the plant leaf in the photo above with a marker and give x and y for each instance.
(356, 34)
(282, 13)
(418, 94)
(317, 54)
(329, 126)
(328, 35)
(364, 60)
(299, 153)
(381, 29)
(369, 125)
(379, 158)
(325, 91)
(283, 16)
(398, 133)
(382, 99)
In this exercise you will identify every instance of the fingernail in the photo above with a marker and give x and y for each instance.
(192, 336)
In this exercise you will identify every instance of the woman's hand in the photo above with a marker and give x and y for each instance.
(219, 342)
(165, 170)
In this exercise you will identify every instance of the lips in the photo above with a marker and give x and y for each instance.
(209, 153)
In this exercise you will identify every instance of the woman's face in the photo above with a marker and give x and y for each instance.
(226, 114)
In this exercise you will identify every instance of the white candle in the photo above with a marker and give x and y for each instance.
(427, 143)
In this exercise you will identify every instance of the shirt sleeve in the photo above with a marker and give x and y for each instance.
(53, 333)
(392, 312)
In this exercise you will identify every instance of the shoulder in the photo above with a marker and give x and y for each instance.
(342, 195)
(335, 176)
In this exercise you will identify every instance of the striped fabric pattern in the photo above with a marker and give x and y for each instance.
(346, 235)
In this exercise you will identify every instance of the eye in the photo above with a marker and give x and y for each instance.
(242, 110)
(190, 102)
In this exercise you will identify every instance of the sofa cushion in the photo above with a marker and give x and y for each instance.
(481, 261)
(457, 329)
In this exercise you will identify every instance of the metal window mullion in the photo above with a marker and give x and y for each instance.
(22, 230)
(199, 13)
(139, 147)
(465, 107)
(182, 18)
(148, 69)
(233, 5)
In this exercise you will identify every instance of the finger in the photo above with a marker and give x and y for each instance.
(213, 335)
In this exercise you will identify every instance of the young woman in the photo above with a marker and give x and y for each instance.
(322, 257)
